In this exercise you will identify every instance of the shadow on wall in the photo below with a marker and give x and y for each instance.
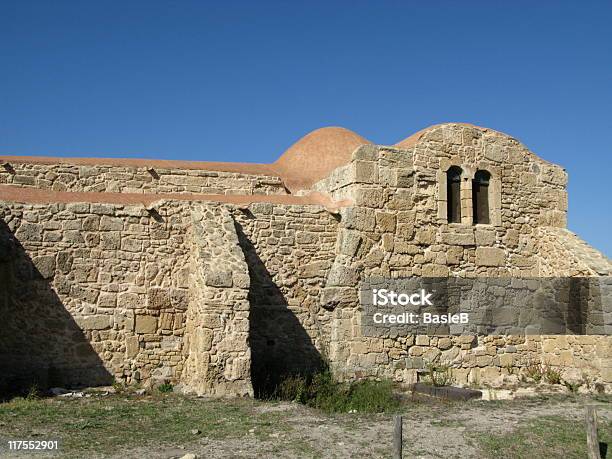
(40, 343)
(280, 346)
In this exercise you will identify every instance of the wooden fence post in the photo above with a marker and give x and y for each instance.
(591, 432)
(397, 437)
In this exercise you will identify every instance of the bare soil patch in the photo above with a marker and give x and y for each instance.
(163, 426)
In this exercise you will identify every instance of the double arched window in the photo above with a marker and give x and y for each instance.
(480, 197)
(453, 194)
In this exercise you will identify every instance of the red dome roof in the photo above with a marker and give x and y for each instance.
(315, 155)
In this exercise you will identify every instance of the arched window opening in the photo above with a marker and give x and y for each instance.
(480, 197)
(453, 194)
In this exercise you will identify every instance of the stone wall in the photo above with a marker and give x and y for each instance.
(482, 360)
(289, 250)
(132, 179)
(561, 253)
(95, 290)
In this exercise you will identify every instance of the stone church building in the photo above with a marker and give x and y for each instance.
(221, 278)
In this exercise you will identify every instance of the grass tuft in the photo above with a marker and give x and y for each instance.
(552, 376)
(438, 375)
(165, 388)
(33, 393)
(572, 386)
(322, 391)
(534, 371)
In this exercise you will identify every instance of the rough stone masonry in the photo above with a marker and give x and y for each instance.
(222, 277)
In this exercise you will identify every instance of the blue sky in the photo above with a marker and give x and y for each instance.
(241, 81)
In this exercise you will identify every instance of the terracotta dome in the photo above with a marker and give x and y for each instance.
(315, 155)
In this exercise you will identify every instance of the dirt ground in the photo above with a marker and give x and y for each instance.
(255, 429)
(430, 431)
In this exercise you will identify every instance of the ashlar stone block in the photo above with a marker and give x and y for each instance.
(132, 347)
(359, 218)
(385, 222)
(219, 279)
(95, 322)
(45, 265)
(365, 171)
(458, 238)
(158, 298)
(484, 236)
(490, 256)
(146, 324)
(111, 224)
(129, 300)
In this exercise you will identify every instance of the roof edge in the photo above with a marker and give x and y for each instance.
(243, 168)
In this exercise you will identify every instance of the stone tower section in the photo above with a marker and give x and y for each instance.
(398, 227)
(216, 348)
